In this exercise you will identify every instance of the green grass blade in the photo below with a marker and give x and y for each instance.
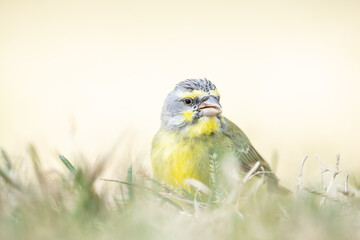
(67, 164)
(7, 159)
(165, 199)
(8, 180)
(129, 180)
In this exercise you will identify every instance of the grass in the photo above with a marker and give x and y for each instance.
(81, 203)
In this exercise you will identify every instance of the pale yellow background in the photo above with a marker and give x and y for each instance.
(76, 76)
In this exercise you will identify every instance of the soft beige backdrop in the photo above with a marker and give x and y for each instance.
(75, 76)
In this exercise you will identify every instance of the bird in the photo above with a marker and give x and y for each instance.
(193, 130)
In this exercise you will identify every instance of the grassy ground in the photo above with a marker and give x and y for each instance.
(79, 203)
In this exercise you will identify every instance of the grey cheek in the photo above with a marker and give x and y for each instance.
(176, 108)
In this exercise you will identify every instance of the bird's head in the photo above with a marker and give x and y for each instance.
(193, 103)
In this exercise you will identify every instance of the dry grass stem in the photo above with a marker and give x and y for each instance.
(334, 172)
(346, 188)
(252, 170)
(299, 178)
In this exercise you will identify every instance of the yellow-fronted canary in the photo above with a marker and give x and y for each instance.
(192, 131)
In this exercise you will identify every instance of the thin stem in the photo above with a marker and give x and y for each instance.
(299, 178)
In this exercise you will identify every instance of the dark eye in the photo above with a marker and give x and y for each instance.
(188, 101)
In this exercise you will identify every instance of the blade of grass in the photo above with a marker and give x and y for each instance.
(8, 180)
(129, 186)
(67, 163)
(174, 204)
(39, 173)
(7, 159)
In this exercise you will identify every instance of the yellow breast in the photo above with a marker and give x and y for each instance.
(177, 156)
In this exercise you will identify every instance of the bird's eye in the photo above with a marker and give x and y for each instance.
(188, 101)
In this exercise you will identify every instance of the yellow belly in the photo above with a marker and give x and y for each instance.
(175, 159)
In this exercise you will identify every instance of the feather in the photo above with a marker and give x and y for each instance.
(244, 151)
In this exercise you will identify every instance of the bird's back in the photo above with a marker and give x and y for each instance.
(244, 151)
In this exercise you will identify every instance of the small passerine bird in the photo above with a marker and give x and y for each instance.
(192, 131)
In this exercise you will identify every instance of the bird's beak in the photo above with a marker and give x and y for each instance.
(211, 107)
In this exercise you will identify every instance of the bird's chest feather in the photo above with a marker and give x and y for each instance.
(176, 158)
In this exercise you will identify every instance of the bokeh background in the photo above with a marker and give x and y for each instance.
(88, 76)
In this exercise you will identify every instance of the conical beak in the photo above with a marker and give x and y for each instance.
(211, 107)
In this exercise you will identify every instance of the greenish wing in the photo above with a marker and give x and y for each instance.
(244, 151)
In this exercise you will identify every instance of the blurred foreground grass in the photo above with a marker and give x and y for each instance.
(81, 203)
